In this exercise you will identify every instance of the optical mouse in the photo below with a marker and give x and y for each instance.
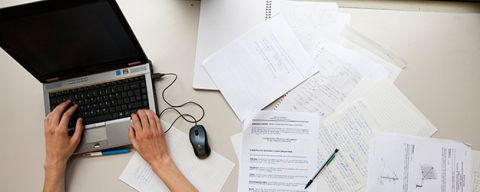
(198, 138)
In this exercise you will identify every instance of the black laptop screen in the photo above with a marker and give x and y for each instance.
(64, 40)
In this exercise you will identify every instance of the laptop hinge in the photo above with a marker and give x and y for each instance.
(53, 79)
(134, 63)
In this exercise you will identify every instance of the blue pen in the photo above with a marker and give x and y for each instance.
(111, 152)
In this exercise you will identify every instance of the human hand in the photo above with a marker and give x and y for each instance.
(59, 145)
(148, 137)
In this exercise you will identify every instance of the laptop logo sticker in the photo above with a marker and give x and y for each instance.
(125, 71)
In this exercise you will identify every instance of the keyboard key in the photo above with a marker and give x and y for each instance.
(145, 103)
(97, 119)
(111, 109)
(127, 113)
(53, 101)
(124, 94)
(120, 88)
(97, 86)
(144, 97)
(144, 90)
(126, 100)
(136, 79)
(142, 84)
(121, 114)
(134, 105)
(118, 108)
(120, 101)
(142, 77)
(132, 99)
(124, 107)
(115, 115)
(126, 87)
(134, 86)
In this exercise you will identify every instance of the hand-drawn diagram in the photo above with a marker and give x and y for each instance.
(387, 175)
(427, 173)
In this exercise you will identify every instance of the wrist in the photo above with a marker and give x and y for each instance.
(54, 165)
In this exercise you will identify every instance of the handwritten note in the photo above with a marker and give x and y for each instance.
(260, 66)
(347, 130)
(325, 91)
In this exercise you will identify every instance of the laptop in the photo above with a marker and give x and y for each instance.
(85, 51)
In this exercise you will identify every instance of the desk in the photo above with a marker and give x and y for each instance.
(442, 79)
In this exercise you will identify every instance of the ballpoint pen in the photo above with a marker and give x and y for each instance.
(111, 152)
(326, 163)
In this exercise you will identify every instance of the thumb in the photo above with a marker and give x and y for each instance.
(78, 132)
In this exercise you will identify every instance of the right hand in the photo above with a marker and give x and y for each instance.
(148, 137)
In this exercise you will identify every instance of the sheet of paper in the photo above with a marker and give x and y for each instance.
(206, 175)
(325, 91)
(311, 20)
(278, 151)
(475, 171)
(362, 64)
(347, 130)
(408, 163)
(220, 23)
(395, 112)
(260, 66)
(355, 41)
(237, 143)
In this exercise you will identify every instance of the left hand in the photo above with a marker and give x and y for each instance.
(58, 144)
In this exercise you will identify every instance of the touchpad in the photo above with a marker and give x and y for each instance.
(96, 135)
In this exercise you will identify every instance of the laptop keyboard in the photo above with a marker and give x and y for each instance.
(104, 101)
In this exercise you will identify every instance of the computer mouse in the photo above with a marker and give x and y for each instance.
(198, 138)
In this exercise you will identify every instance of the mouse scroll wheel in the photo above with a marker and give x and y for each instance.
(196, 132)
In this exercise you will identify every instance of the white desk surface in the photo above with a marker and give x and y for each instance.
(442, 79)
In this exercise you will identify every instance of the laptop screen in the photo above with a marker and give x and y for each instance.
(62, 40)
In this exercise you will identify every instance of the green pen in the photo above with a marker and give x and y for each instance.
(328, 162)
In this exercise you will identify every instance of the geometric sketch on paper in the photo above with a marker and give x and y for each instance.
(427, 173)
(387, 175)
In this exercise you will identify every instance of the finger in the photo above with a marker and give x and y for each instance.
(151, 120)
(144, 120)
(136, 122)
(66, 116)
(57, 112)
(78, 133)
(131, 136)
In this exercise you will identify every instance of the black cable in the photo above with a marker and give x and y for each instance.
(174, 107)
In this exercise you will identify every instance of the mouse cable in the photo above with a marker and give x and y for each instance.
(174, 107)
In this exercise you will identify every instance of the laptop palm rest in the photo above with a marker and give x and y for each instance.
(112, 134)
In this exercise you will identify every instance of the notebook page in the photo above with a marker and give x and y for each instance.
(206, 175)
(395, 112)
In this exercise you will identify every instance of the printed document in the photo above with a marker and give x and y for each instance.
(417, 164)
(260, 66)
(279, 152)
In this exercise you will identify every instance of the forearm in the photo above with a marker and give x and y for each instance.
(54, 177)
(171, 176)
